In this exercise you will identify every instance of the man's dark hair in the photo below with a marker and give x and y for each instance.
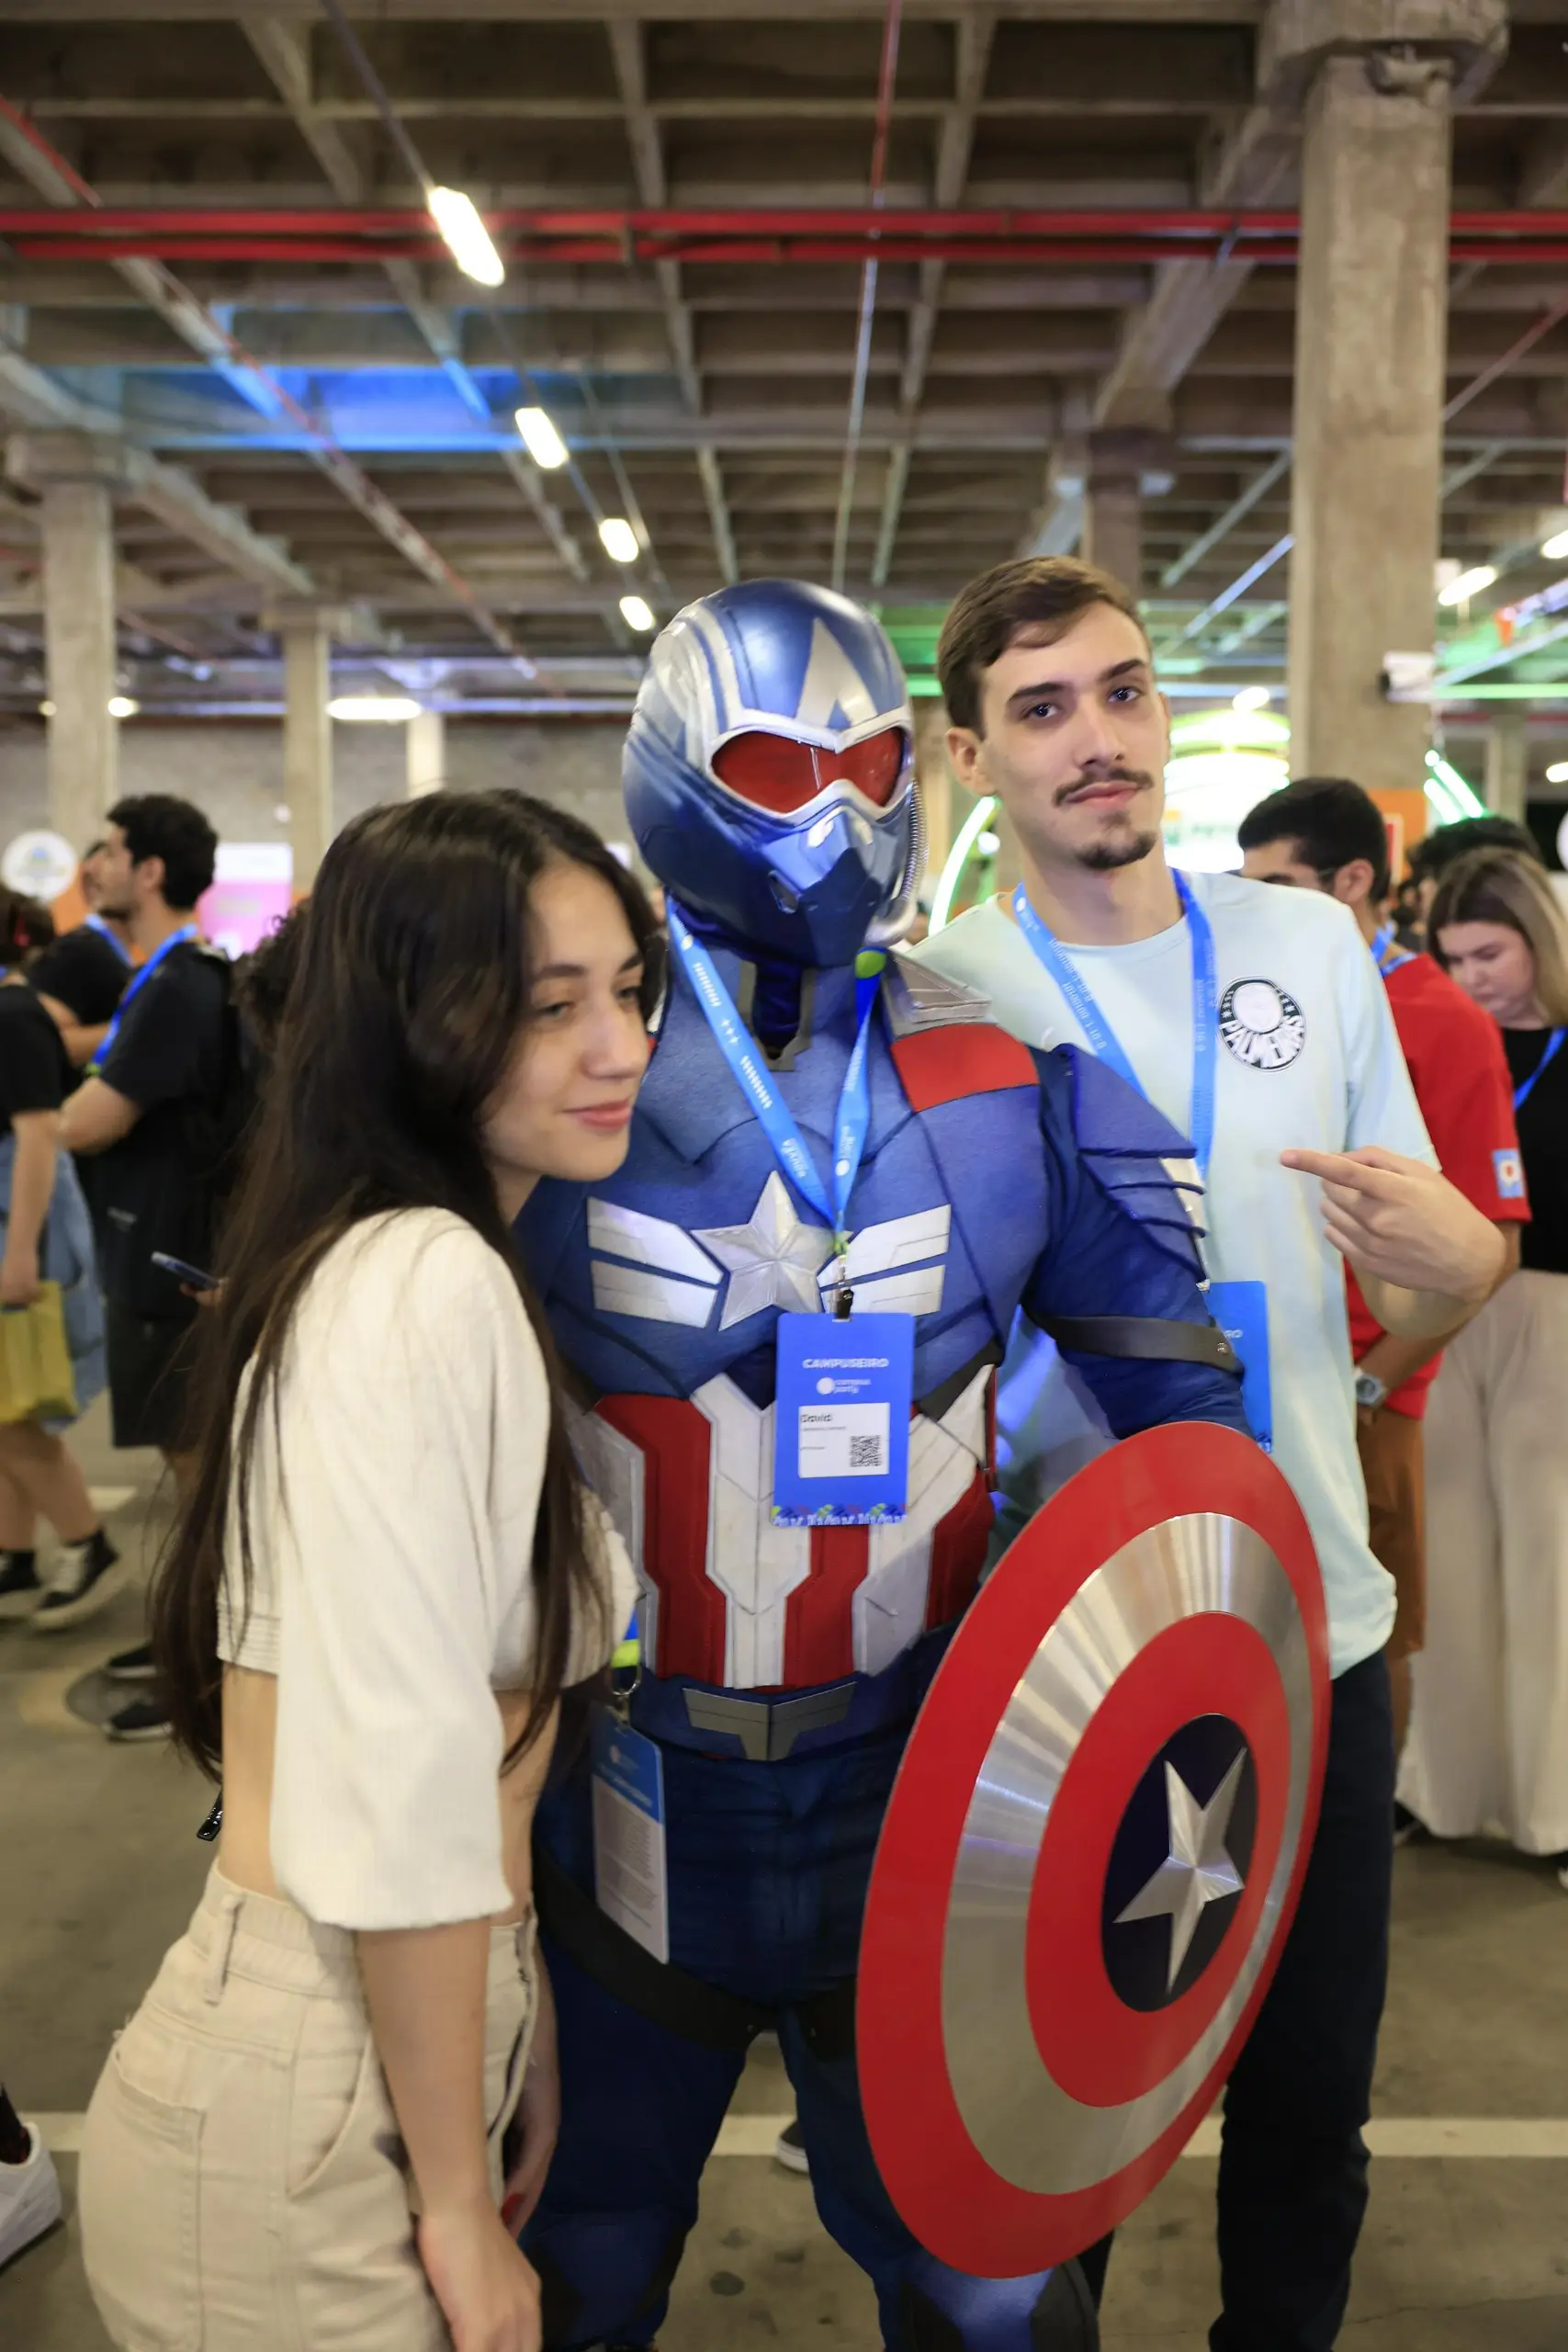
(1038, 596)
(1439, 851)
(1331, 822)
(157, 825)
(263, 978)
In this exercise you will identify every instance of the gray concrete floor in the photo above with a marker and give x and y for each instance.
(99, 1868)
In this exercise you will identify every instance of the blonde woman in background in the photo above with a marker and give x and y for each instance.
(1488, 1749)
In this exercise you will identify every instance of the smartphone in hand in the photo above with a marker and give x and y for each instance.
(191, 1275)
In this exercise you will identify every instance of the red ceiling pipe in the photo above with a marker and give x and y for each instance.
(1165, 220)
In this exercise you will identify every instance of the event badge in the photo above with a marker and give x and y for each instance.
(630, 1872)
(1241, 1310)
(842, 1425)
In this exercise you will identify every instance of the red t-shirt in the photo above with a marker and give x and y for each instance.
(1461, 1076)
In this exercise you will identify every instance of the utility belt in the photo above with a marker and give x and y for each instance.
(679, 1713)
(721, 1724)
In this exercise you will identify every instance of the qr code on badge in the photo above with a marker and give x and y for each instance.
(866, 1453)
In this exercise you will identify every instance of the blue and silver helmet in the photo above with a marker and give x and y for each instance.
(769, 772)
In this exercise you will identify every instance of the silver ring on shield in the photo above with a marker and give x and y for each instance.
(1094, 1850)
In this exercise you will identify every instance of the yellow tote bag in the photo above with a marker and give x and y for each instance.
(37, 1382)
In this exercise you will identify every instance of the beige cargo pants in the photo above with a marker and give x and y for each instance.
(243, 2185)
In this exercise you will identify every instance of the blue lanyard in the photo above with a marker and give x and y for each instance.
(755, 1080)
(97, 922)
(1384, 955)
(136, 983)
(1104, 1042)
(1553, 1048)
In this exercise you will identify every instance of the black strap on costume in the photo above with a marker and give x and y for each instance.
(665, 1995)
(1156, 1337)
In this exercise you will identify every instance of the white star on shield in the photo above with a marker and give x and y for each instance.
(773, 1260)
(1197, 1871)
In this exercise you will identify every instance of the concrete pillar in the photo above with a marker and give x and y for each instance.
(1371, 304)
(307, 739)
(79, 641)
(1113, 509)
(1505, 788)
(426, 752)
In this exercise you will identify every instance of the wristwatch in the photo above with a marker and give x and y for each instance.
(1370, 1392)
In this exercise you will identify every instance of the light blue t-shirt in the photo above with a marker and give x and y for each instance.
(1308, 1058)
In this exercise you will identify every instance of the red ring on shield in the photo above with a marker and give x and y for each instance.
(959, 2207)
(1097, 2048)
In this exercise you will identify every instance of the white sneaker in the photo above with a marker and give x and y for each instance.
(29, 2198)
(1563, 1878)
(87, 1578)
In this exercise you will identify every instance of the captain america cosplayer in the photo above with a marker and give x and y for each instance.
(822, 1123)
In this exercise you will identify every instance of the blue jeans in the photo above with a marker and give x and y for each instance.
(768, 1867)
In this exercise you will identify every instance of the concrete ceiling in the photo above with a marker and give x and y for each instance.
(709, 400)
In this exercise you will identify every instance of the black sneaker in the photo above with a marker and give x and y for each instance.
(131, 1665)
(140, 1719)
(20, 1590)
(1408, 1829)
(87, 1578)
(789, 2149)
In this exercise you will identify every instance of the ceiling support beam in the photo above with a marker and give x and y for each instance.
(1162, 340)
(191, 319)
(955, 147)
(653, 190)
(36, 459)
(1257, 488)
(284, 50)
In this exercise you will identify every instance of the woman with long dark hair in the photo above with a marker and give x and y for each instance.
(385, 1577)
(1488, 1749)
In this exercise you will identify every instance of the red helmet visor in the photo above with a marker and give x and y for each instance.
(773, 773)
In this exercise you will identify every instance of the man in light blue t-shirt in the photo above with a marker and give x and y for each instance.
(1278, 1056)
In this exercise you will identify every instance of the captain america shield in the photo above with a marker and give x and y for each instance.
(1094, 1850)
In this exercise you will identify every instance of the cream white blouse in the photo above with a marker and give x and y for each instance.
(394, 1491)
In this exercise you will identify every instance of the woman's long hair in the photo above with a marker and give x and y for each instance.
(1494, 886)
(411, 987)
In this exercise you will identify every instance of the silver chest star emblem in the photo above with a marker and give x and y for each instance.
(1197, 1871)
(773, 1259)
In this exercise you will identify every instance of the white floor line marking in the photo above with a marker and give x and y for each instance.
(107, 1499)
(1464, 2136)
(1458, 2136)
(749, 2135)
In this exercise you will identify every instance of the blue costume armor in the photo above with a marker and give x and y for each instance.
(784, 1664)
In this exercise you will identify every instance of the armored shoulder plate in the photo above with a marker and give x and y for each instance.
(918, 997)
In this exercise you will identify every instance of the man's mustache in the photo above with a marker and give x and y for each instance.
(1139, 778)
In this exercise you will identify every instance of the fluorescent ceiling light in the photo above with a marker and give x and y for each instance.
(618, 539)
(468, 239)
(1469, 583)
(1555, 547)
(1253, 698)
(1450, 794)
(372, 710)
(117, 706)
(540, 439)
(969, 832)
(1558, 772)
(637, 612)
